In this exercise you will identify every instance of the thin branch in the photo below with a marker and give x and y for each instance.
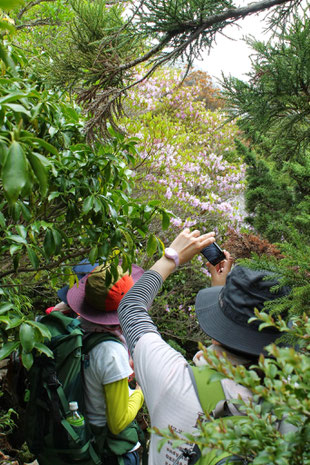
(38, 22)
(30, 5)
(46, 267)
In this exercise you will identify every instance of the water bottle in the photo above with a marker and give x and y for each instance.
(77, 421)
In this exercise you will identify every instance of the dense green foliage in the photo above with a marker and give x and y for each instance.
(274, 114)
(61, 200)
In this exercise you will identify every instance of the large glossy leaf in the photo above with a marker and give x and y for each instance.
(27, 359)
(49, 147)
(14, 172)
(39, 170)
(41, 328)
(27, 337)
(88, 203)
(57, 240)
(49, 243)
(34, 260)
(8, 348)
(42, 348)
(12, 96)
(16, 107)
(5, 307)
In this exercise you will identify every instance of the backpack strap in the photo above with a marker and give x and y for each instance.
(212, 399)
(93, 339)
(209, 392)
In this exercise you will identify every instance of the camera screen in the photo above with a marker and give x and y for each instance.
(213, 254)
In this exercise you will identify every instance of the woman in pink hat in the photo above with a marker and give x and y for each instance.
(110, 406)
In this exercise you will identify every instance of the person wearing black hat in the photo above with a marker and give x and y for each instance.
(223, 311)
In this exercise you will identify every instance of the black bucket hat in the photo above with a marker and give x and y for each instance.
(223, 311)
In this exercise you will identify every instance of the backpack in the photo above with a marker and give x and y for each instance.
(212, 400)
(52, 384)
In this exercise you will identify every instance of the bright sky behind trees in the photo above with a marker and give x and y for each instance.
(233, 56)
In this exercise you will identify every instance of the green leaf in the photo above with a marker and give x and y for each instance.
(57, 240)
(27, 359)
(151, 245)
(87, 204)
(5, 319)
(41, 328)
(10, 4)
(18, 239)
(42, 348)
(97, 205)
(17, 108)
(2, 221)
(53, 195)
(14, 248)
(8, 348)
(49, 147)
(27, 336)
(7, 60)
(39, 170)
(22, 231)
(3, 153)
(113, 212)
(165, 220)
(25, 211)
(5, 26)
(14, 172)
(49, 243)
(12, 96)
(34, 260)
(93, 254)
(5, 307)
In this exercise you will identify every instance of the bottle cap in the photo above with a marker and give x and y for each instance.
(73, 406)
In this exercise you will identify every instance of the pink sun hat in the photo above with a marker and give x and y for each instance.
(96, 302)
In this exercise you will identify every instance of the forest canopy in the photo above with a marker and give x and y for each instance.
(110, 143)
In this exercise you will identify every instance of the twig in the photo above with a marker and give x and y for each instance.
(46, 267)
(30, 5)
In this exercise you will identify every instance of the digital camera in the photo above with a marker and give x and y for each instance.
(213, 253)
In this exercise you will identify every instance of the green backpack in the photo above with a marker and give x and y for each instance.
(212, 400)
(52, 384)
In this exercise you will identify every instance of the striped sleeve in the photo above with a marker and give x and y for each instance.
(133, 308)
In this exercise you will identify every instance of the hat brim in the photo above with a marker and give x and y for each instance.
(215, 324)
(77, 302)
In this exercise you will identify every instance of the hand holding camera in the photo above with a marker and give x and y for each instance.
(219, 263)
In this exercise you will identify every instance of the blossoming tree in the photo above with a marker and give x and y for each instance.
(188, 159)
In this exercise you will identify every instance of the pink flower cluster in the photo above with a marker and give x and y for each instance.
(184, 151)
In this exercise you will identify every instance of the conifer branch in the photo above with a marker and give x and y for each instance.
(104, 84)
